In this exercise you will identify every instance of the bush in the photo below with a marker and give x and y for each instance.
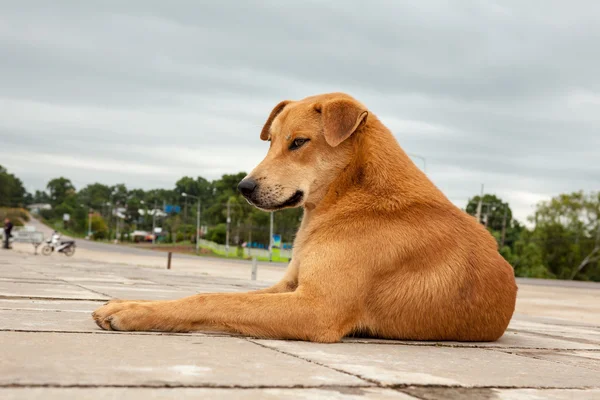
(18, 216)
(99, 228)
(180, 237)
(47, 214)
(218, 234)
(62, 209)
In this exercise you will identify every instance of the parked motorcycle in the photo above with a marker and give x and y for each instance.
(67, 247)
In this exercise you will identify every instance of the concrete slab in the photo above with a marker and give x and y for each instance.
(140, 292)
(340, 393)
(49, 305)
(152, 360)
(553, 321)
(46, 290)
(425, 365)
(503, 394)
(583, 334)
(106, 278)
(46, 321)
(9, 269)
(71, 317)
(575, 304)
(583, 359)
(10, 272)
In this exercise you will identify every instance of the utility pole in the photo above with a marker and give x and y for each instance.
(198, 228)
(117, 225)
(228, 224)
(197, 219)
(250, 241)
(185, 212)
(154, 223)
(504, 225)
(479, 205)
(271, 238)
(90, 224)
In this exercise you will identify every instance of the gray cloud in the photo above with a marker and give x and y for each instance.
(143, 92)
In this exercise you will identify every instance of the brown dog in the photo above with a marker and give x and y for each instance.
(381, 251)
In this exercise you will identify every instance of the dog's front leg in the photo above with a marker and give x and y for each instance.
(291, 315)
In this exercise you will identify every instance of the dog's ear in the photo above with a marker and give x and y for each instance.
(265, 134)
(341, 118)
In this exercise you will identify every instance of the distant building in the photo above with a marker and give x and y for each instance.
(159, 213)
(36, 208)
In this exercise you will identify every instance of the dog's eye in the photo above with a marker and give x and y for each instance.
(297, 143)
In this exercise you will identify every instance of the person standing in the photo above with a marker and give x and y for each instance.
(8, 226)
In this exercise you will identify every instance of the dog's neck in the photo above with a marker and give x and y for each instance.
(372, 177)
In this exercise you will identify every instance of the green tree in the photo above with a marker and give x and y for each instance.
(567, 229)
(224, 190)
(28, 199)
(41, 197)
(526, 257)
(12, 192)
(119, 195)
(95, 196)
(493, 208)
(60, 189)
(496, 215)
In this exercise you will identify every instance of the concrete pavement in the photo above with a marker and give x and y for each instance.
(51, 348)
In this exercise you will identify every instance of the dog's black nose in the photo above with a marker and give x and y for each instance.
(247, 186)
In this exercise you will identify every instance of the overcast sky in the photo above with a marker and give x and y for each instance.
(505, 93)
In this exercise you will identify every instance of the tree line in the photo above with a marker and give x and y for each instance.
(562, 242)
(119, 209)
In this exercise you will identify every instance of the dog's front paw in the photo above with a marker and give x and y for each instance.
(123, 315)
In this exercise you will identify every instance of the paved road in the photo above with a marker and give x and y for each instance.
(133, 251)
(51, 349)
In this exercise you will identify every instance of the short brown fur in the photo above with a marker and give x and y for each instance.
(380, 252)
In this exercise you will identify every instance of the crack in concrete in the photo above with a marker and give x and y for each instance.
(402, 386)
(76, 285)
(168, 385)
(210, 334)
(33, 281)
(103, 332)
(315, 362)
(449, 393)
(568, 339)
(463, 346)
(536, 356)
(5, 297)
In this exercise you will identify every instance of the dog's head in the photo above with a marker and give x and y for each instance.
(309, 147)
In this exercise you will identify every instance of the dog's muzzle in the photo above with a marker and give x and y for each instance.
(249, 189)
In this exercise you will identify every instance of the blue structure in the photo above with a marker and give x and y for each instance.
(172, 209)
